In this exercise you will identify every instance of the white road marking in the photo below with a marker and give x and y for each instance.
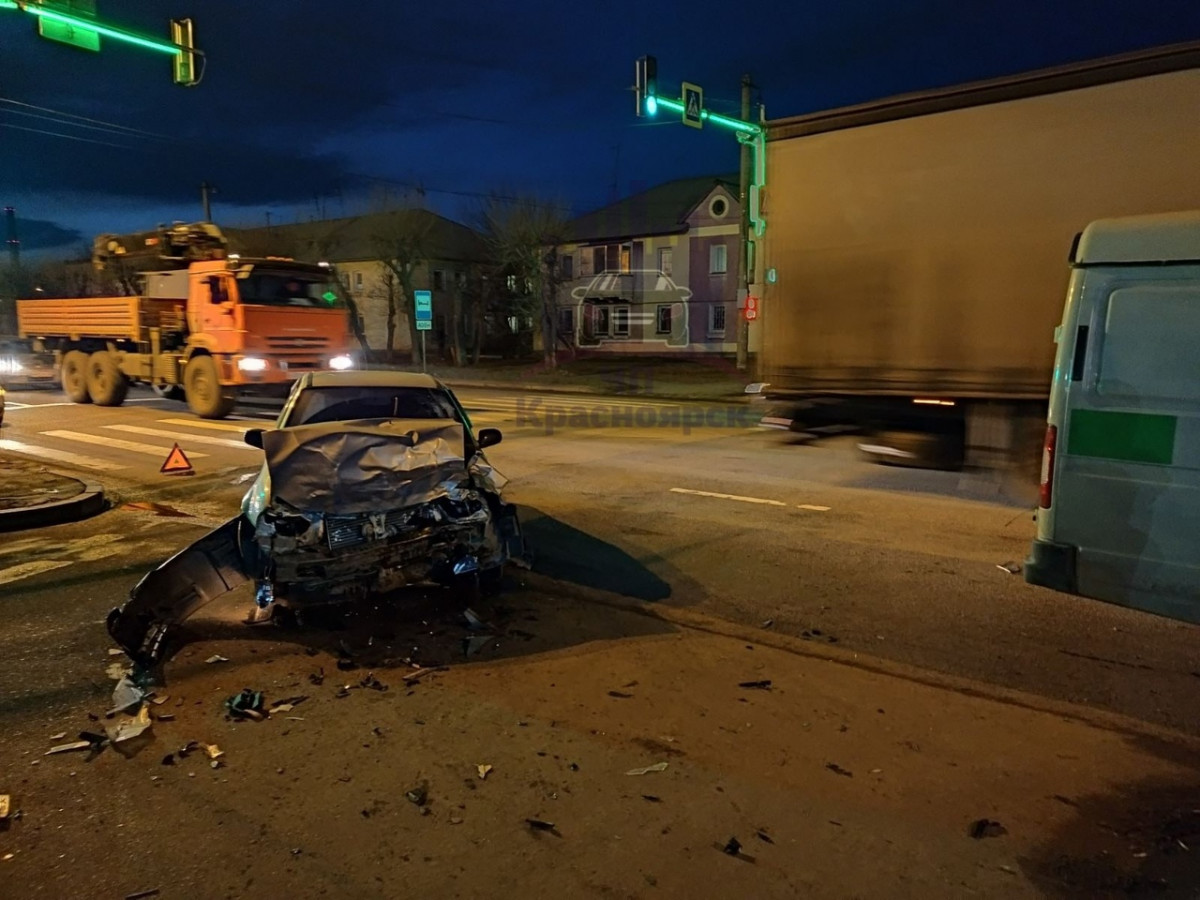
(75, 459)
(728, 497)
(105, 441)
(12, 404)
(71, 403)
(813, 508)
(204, 423)
(26, 570)
(183, 436)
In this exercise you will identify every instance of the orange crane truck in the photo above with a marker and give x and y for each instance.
(206, 325)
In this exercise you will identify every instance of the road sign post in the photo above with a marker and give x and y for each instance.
(423, 308)
(693, 105)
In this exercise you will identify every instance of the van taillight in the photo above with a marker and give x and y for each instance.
(1046, 492)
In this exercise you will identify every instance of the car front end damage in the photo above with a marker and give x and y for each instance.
(341, 511)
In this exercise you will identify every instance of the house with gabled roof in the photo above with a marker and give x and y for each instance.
(655, 273)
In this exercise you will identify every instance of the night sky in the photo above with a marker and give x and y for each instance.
(311, 109)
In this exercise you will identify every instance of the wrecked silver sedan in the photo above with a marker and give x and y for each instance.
(372, 481)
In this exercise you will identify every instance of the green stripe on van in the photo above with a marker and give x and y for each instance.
(1134, 437)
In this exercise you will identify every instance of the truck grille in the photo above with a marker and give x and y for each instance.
(298, 344)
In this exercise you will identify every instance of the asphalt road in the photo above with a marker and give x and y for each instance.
(683, 505)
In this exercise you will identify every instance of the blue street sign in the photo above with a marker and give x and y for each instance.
(424, 309)
(693, 104)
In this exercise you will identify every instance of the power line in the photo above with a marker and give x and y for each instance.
(64, 122)
(59, 112)
(69, 137)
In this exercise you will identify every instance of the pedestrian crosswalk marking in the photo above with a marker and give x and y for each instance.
(182, 436)
(63, 456)
(204, 423)
(105, 441)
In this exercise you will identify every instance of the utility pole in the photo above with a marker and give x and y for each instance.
(205, 190)
(744, 261)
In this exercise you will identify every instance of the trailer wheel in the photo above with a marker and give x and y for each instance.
(206, 397)
(74, 377)
(106, 384)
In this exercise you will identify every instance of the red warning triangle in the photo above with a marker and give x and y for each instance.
(177, 463)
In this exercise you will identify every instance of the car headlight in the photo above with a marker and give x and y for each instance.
(10, 366)
(252, 364)
(341, 362)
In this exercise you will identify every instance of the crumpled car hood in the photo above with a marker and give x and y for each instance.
(345, 468)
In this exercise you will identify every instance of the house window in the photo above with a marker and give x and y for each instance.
(598, 260)
(511, 283)
(621, 321)
(664, 319)
(717, 259)
(602, 320)
(613, 261)
(358, 280)
(568, 266)
(665, 255)
(439, 280)
(716, 319)
(461, 278)
(566, 321)
(626, 254)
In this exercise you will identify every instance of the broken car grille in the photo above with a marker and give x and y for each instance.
(347, 531)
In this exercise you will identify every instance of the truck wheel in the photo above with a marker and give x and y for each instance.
(106, 384)
(74, 377)
(206, 397)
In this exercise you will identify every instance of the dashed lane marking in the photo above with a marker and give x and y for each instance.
(183, 436)
(717, 496)
(64, 456)
(812, 507)
(105, 441)
(204, 423)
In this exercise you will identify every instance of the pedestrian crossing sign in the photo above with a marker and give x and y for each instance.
(693, 105)
(177, 463)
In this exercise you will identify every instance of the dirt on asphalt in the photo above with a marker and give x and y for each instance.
(777, 767)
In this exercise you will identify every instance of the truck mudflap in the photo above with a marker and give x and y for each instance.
(211, 567)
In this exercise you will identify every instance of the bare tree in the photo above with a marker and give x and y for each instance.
(522, 235)
(401, 241)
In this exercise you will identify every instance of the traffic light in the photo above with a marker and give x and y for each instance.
(647, 86)
(185, 60)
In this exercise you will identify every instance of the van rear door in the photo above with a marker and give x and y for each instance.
(1126, 474)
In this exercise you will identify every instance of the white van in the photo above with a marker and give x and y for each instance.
(1119, 516)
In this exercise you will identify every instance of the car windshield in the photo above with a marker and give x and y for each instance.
(266, 288)
(340, 404)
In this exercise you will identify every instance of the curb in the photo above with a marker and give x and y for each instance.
(598, 392)
(82, 506)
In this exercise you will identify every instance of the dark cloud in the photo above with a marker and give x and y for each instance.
(36, 234)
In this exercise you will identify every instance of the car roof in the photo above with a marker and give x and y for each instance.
(373, 378)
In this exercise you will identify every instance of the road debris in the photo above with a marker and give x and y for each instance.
(59, 736)
(132, 727)
(116, 671)
(985, 828)
(141, 895)
(764, 837)
(733, 847)
(767, 623)
(418, 795)
(169, 759)
(483, 771)
(472, 645)
(246, 705)
(620, 696)
(126, 695)
(422, 672)
(646, 770)
(764, 685)
(372, 683)
(318, 677)
(838, 770)
(216, 658)
(542, 825)
(652, 798)
(5, 806)
(287, 704)
(1011, 568)
(69, 748)
(473, 621)
(115, 651)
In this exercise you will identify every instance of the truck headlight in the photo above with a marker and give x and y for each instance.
(10, 366)
(341, 362)
(252, 364)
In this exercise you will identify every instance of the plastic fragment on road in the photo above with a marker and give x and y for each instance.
(126, 695)
(483, 770)
(69, 748)
(764, 685)
(542, 825)
(1011, 568)
(141, 895)
(216, 658)
(132, 727)
(116, 671)
(473, 621)
(472, 645)
(5, 806)
(417, 795)
(59, 736)
(838, 770)
(986, 828)
(733, 847)
(646, 770)
(247, 704)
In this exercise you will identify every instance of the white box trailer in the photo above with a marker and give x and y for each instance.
(915, 256)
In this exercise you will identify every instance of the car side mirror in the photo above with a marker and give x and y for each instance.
(488, 437)
(254, 437)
